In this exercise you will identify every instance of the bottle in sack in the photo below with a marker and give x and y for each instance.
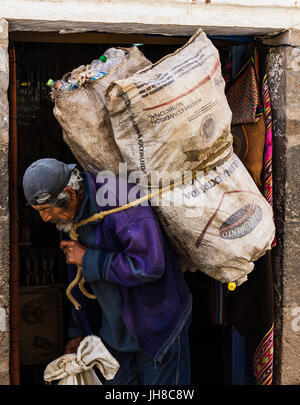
(73, 84)
(97, 68)
(114, 57)
(61, 85)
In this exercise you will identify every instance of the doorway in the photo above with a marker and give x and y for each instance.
(43, 305)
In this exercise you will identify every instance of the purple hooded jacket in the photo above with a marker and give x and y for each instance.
(130, 250)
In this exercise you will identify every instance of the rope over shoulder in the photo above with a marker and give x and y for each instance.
(100, 215)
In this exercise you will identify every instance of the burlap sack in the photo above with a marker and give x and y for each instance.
(222, 223)
(85, 122)
(173, 115)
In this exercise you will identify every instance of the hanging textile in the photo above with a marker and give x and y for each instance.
(263, 359)
(268, 149)
(248, 121)
(250, 307)
(248, 144)
(243, 95)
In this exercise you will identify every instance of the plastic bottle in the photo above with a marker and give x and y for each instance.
(73, 84)
(97, 63)
(61, 85)
(114, 57)
(97, 75)
(97, 68)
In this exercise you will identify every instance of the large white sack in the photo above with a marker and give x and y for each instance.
(223, 223)
(173, 115)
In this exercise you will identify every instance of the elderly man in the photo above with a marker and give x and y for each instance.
(143, 307)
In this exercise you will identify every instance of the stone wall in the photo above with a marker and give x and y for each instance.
(283, 65)
(4, 211)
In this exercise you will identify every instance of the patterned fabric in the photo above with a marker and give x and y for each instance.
(243, 95)
(240, 141)
(250, 308)
(248, 122)
(263, 359)
(268, 149)
(248, 144)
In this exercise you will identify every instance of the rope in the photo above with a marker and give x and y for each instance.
(71, 286)
(100, 215)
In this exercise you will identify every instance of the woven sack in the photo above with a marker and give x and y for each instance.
(85, 122)
(173, 115)
(221, 224)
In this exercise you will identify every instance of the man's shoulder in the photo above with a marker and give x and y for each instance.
(115, 191)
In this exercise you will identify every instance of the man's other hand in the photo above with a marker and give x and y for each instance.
(72, 345)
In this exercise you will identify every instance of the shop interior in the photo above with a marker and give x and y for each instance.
(44, 307)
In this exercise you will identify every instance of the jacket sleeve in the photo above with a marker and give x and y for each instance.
(140, 261)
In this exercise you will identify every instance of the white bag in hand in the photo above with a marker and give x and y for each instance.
(77, 368)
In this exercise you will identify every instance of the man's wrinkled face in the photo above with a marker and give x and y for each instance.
(55, 215)
(62, 217)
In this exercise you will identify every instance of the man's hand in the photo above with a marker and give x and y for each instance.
(72, 344)
(74, 251)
